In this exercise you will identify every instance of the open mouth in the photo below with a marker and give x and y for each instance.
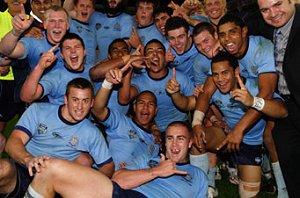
(84, 14)
(74, 59)
(230, 47)
(154, 61)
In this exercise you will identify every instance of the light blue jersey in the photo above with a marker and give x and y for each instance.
(33, 53)
(148, 33)
(88, 35)
(110, 28)
(127, 139)
(234, 110)
(51, 135)
(54, 83)
(167, 112)
(192, 185)
(258, 59)
(201, 68)
(184, 62)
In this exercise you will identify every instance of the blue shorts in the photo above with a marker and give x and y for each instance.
(23, 181)
(248, 155)
(119, 192)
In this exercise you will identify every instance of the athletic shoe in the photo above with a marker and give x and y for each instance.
(233, 176)
(269, 186)
(212, 192)
(218, 175)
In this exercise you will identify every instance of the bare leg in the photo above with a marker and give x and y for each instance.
(70, 179)
(250, 178)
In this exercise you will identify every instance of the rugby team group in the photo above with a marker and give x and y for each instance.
(145, 105)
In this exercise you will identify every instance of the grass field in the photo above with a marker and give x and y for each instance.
(226, 189)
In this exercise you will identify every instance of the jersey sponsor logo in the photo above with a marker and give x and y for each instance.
(187, 178)
(132, 134)
(117, 27)
(42, 128)
(98, 26)
(79, 29)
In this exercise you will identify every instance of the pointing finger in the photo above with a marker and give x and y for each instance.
(240, 81)
(53, 48)
(174, 74)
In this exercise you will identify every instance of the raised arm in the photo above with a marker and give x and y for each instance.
(202, 106)
(31, 89)
(271, 107)
(112, 77)
(266, 85)
(9, 44)
(69, 7)
(182, 102)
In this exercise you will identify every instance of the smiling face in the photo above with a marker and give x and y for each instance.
(39, 7)
(56, 25)
(145, 109)
(180, 40)
(276, 12)
(157, 62)
(84, 9)
(214, 9)
(144, 14)
(233, 38)
(205, 43)
(73, 54)
(78, 103)
(224, 76)
(160, 22)
(178, 142)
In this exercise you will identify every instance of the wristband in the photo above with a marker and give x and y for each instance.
(258, 103)
(198, 118)
(16, 33)
(107, 85)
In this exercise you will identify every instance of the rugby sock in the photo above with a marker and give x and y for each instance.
(282, 192)
(31, 193)
(211, 176)
(200, 161)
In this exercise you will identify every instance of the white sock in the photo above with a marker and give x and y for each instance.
(282, 192)
(211, 176)
(200, 161)
(32, 193)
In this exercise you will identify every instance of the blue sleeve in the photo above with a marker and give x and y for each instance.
(28, 121)
(264, 57)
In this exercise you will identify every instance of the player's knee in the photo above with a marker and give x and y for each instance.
(7, 171)
(248, 189)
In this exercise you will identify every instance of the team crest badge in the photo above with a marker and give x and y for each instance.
(42, 128)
